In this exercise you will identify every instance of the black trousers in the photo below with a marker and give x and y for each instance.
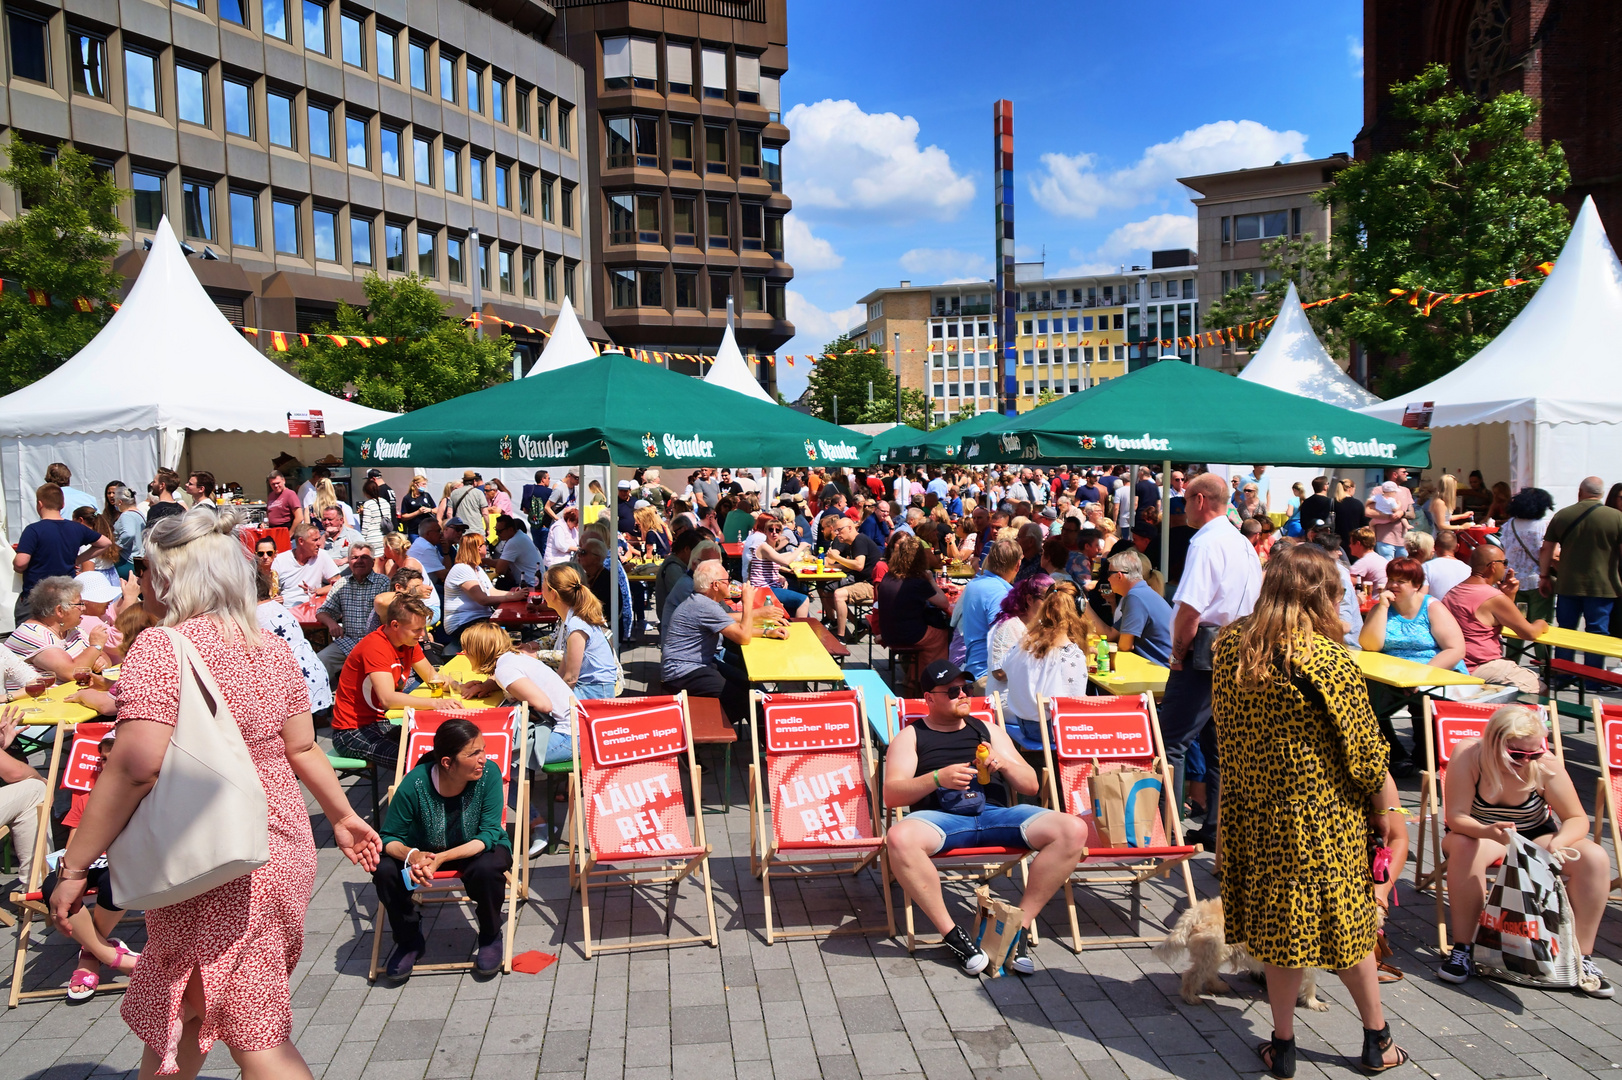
(718, 680)
(1185, 715)
(483, 876)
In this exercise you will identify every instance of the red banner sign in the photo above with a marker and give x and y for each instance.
(1452, 730)
(636, 808)
(626, 735)
(497, 748)
(1613, 744)
(1081, 733)
(824, 725)
(84, 762)
(911, 710)
(819, 798)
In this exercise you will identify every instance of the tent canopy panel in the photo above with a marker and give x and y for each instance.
(96, 460)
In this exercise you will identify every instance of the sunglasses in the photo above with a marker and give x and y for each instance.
(952, 692)
(1523, 756)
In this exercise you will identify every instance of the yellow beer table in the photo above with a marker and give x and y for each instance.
(1579, 640)
(1132, 674)
(456, 669)
(798, 658)
(52, 707)
(1403, 674)
(815, 572)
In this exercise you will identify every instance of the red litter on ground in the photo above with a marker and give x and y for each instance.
(532, 962)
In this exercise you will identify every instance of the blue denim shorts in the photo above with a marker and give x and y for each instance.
(995, 826)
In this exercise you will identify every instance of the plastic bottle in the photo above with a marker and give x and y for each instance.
(1103, 656)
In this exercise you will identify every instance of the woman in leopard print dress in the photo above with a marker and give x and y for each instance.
(1301, 756)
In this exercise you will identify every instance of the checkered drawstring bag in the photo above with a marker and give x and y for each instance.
(1526, 934)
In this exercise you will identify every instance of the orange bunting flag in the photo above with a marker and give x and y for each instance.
(790, 359)
(381, 340)
(83, 304)
(1546, 268)
(250, 330)
(279, 340)
(337, 339)
(38, 298)
(304, 339)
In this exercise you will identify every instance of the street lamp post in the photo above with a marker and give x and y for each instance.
(478, 292)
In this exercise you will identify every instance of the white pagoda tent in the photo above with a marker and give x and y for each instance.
(731, 370)
(567, 345)
(170, 382)
(1541, 405)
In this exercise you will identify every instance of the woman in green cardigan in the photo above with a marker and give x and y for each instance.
(445, 815)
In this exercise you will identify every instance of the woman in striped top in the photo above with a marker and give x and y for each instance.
(765, 549)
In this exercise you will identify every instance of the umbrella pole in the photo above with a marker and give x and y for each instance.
(1165, 522)
(613, 559)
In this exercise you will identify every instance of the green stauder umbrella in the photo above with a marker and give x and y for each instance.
(940, 445)
(608, 411)
(1172, 411)
(886, 442)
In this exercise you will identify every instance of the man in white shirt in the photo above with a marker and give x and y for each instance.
(902, 487)
(938, 486)
(425, 549)
(519, 558)
(304, 569)
(337, 536)
(1445, 569)
(306, 490)
(1220, 583)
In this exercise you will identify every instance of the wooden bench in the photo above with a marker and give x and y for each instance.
(1582, 673)
(836, 648)
(712, 728)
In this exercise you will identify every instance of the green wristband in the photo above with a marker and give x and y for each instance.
(937, 778)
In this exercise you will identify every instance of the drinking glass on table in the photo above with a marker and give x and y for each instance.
(40, 685)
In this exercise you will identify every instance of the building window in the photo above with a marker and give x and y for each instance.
(484, 266)
(1188, 288)
(238, 108)
(529, 276)
(775, 305)
(284, 226)
(427, 257)
(148, 198)
(623, 285)
(1295, 221)
(715, 150)
(475, 177)
(521, 107)
(748, 153)
(771, 166)
(498, 99)
(422, 160)
(679, 73)
(394, 248)
(418, 59)
(566, 198)
(89, 62)
(684, 228)
(324, 231)
(384, 43)
(244, 219)
(547, 213)
(315, 27)
(526, 193)
(753, 233)
(455, 271)
(1260, 226)
(771, 97)
(447, 77)
(720, 291)
(647, 220)
(29, 51)
(543, 118)
(280, 110)
(565, 141)
(275, 19)
(351, 33)
(748, 78)
(504, 269)
(452, 166)
(319, 117)
(621, 219)
(389, 140)
(619, 142)
(1154, 293)
(715, 73)
(475, 89)
(355, 140)
(140, 80)
(720, 228)
(232, 11)
(501, 174)
(681, 147)
(191, 94)
(360, 240)
(549, 280)
(651, 288)
(197, 205)
(686, 290)
(754, 294)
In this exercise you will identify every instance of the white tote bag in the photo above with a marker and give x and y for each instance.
(205, 822)
(1526, 934)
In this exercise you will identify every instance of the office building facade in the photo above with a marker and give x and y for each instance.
(683, 159)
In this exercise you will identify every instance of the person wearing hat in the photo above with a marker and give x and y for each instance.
(626, 516)
(383, 488)
(930, 771)
(102, 602)
(468, 502)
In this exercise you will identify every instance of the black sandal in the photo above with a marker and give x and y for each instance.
(1279, 1057)
(1375, 1044)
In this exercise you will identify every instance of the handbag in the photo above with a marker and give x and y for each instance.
(1526, 934)
(205, 822)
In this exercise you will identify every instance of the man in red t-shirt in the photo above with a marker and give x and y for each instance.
(369, 685)
(283, 509)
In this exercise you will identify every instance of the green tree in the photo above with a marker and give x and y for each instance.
(1469, 203)
(1044, 397)
(1303, 261)
(428, 357)
(62, 244)
(965, 411)
(844, 370)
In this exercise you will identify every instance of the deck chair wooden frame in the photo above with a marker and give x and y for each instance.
(958, 865)
(804, 857)
(1104, 865)
(591, 865)
(1606, 795)
(1438, 751)
(512, 724)
(30, 902)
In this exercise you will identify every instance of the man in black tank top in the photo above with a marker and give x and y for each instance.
(930, 769)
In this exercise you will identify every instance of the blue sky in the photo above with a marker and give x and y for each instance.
(889, 107)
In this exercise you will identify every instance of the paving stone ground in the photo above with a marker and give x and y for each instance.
(839, 1007)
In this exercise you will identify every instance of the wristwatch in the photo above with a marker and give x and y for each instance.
(65, 873)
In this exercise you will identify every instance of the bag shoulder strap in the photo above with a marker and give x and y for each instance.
(1573, 526)
(187, 657)
(1520, 541)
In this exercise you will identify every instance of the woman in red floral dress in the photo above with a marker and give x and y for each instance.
(216, 966)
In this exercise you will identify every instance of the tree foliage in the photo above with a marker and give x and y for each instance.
(62, 244)
(428, 358)
(1469, 203)
(966, 411)
(844, 371)
(1303, 261)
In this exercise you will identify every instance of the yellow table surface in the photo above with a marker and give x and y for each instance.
(1132, 674)
(798, 658)
(1408, 675)
(1279, 517)
(808, 572)
(51, 707)
(456, 669)
(1599, 644)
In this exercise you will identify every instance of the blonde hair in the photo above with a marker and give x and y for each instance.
(483, 644)
(1450, 495)
(326, 496)
(1057, 622)
(467, 549)
(1421, 546)
(598, 529)
(199, 567)
(1510, 722)
(397, 544)
(450, 486)
(647, 518)
(1300, 597)
(565, 580)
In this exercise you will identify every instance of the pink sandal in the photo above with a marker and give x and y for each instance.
(82, 986)
(121, 953)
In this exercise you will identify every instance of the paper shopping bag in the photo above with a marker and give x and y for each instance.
(1125, 802)
(997, 926)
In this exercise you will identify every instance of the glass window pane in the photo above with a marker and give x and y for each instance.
(498, 100)
(453, 259)
(447, 78)
(284, 223)
(453, 170)
(390, 140)
(475, 176)
(280, 108)
(244, 220)
(90, 65)
(475, 98)
(394, 247)
(651, 288)
(191, 94)
(529, 276)
(385, 54)
(353, 40)
(427, 257)
(624, 284)
(419, 67)
(148, 199)
(238, 108)
(28, 50)
(355, 138)
(233, 11)
(504, 263)
(526, 194)
(197, 201)
(275, 19)
(549, 281)
(320, 120)
(141, 80)
(422, 161)
(484, 266)
(501, 186)
(315, 26)
(360, 241)
(325, 233)
(546, 198)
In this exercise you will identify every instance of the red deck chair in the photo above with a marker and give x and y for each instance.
(627, 813)
(1608, 789)
(1105, 734)
(77, 773)
(979, 864)
(506, 738)
(823, 778)
(1446, 725)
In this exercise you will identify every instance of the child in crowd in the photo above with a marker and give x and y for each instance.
(1385, 498)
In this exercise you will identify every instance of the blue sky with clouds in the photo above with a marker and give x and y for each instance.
(889, 105)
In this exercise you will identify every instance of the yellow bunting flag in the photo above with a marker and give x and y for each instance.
(279, 340)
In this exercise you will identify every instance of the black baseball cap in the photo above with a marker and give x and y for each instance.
(1318, 523)
(1145, 530)
(372, 473)
(939, 674)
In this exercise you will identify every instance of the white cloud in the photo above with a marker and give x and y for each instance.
(1354, 50)
(1130, 242)
(845, 159)
(813, 327)
(808, 252)
(947, 262)
(1071, 185)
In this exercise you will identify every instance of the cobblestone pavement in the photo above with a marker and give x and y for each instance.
(844, 1006)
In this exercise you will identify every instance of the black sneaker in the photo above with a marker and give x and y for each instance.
(970, 957)
(402, 960)
(1459, 967)
(1592, 980)
(1021, 962)
(487, 961)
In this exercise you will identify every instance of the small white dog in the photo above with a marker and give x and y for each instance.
(1198, 935)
